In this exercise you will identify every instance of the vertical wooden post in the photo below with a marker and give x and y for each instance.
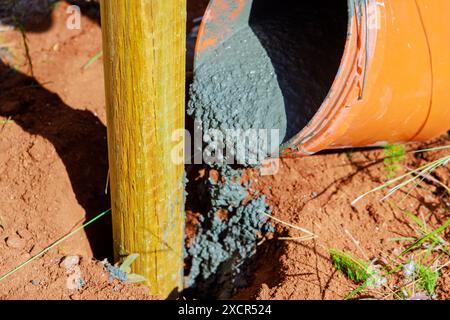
(144, 58)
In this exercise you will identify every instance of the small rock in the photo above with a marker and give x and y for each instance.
(116, 288)
(35, 152)
(24, 256)
(15, 242)
(75, 281)
(25, 234)
(35, 282)
(70, 262)
(75, 297)
(214, 175)
(419, 296)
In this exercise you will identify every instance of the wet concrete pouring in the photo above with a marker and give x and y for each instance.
(264, 76)
(240, 255)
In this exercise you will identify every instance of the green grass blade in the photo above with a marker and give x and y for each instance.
(417, 220)
(128, 262)
(403, 239)
(423, 169)
(432, 149)
(429, 236)
(355, 269)
(92, 60)
(7, 121)
(9, 273)
(427, 278)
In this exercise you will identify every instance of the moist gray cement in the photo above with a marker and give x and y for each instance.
(275, 71)
(223, 248)
(236, 88)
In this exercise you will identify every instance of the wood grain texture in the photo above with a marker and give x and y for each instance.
(144, 59)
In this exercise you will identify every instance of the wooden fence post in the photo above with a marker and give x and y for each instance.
(144, 60)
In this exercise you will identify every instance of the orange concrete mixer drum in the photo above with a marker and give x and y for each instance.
(393, 81)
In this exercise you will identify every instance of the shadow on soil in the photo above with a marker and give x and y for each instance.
(79, 138)
(35, 16)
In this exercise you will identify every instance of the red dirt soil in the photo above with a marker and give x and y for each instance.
(316, 193)
(53, 168)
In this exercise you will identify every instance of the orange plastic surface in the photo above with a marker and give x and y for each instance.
(394, 80)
